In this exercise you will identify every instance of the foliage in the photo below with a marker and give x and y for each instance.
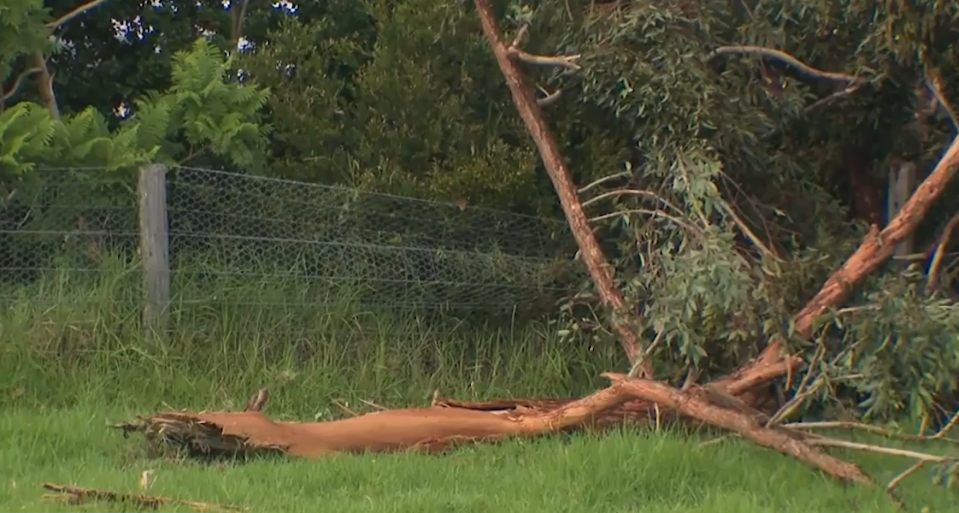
(22, 33)
(402, 97)
(734, 209)
(200, 109)
(120, 50)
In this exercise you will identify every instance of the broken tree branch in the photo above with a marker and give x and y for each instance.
(550, 98)
(779, 440)
(785, 59)
(874, 251)
(563, 61)
(627, 325)
(77, 495)
(804, 426)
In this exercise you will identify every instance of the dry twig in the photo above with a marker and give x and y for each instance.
(77, 495)
(886, 433)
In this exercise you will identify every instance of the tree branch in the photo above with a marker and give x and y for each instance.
(550, 98)
(45, 85)
(16, 85)
(564, 61)
(787, 60)
(934, 79)
(932, 279)
(777, 439)
(627, 325)
(74, 13)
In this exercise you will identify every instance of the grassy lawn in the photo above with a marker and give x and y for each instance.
(623, 471)
(72, 360)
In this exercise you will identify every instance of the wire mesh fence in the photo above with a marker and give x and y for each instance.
(250, 240)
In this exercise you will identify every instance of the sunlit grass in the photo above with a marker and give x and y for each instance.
(623, 471)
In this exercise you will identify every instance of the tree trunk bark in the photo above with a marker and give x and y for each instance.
(45, 85)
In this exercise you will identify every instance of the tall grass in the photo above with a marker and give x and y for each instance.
(74, 335)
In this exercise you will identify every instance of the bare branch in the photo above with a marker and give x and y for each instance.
(550, 98)
(563, 61)
(904, 474)
(74, 13)
(787, 60)
(76, 495)
(601, 181)
(932, 279)
(653, 213)
(934, 81)
(628, 324)
(878, 449)
(520, 36)
(953, 422)
(809, 426)
(16, 85)
(823, 102)
(638, 366)
(629, 192)
(744, 228)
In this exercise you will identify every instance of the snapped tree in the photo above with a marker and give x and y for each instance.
(722, 225)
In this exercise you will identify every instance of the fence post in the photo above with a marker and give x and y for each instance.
(154, 248)
(902, 183)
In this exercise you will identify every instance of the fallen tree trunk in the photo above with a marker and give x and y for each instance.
(437, 428)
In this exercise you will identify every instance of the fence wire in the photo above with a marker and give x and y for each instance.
(251, 240)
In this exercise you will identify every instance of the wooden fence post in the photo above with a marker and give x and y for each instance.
(154, 248)
(902, 183)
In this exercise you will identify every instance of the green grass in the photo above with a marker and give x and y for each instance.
(623, 471)
(70, 336)
(73, 359)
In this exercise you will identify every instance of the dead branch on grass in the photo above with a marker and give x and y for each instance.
(77, 495)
